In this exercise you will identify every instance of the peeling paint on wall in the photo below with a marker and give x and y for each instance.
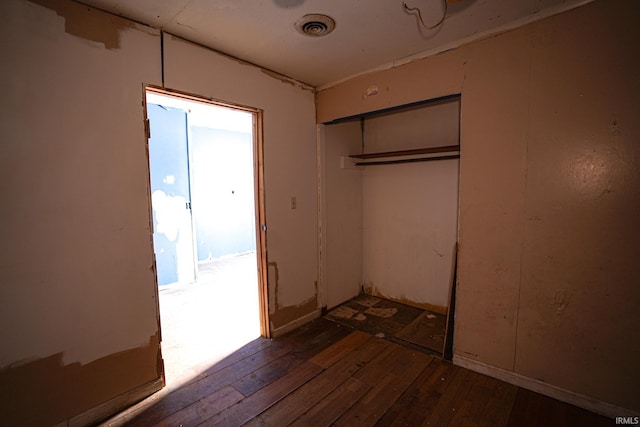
(273, 277)
(88, 23)
(285, 315)
(81, 316)
(288, 80)
(47, 392)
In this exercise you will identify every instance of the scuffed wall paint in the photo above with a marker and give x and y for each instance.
(548, 262)
(581, 258)
(492, 201)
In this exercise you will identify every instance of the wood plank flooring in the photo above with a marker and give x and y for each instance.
(327, 374)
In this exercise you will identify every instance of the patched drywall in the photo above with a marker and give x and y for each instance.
(75, 191)
(48, 391)
(91, 24)
(548, 265)
(285, 315)
(78, 286)
(289, 160)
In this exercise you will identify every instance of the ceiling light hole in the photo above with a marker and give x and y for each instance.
(315, 25)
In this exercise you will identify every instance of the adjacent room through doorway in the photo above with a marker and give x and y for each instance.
(202, 159)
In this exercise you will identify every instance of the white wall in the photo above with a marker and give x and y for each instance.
(289, 163)
(410, 210)
(76, 256)
(341, 213)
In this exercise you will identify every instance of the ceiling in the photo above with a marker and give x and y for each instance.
(369, 34)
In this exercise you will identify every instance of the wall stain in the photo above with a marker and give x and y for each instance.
(369, 289)
(614, 129)
(560, 301)
(273, 283)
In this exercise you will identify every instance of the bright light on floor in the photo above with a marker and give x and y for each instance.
(205, 321)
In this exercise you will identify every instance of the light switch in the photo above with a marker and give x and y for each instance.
(294, 202)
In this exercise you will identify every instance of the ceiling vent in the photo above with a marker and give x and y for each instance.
(315, 25)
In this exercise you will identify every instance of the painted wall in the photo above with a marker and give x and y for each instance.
(548, 264)
(170, 195)
(78, 317)
(289, 164)
(78, 309)
(341, 198)
(410, 210)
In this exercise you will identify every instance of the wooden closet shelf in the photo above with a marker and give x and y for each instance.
(417, 151)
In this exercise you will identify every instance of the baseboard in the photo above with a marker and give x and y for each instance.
(113, 406)
(277, 332)
(580, 400)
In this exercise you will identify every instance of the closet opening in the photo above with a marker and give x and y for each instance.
(391, 178)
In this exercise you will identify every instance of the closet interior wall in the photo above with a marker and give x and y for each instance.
(390, 229)
(409, 213)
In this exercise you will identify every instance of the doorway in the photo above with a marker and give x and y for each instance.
(205, 177)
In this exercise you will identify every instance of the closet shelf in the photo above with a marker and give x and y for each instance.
(406, 156)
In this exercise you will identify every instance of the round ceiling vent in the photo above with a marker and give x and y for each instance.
(315, 25)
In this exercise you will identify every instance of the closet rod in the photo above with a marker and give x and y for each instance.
(422, 159)
(417, 151)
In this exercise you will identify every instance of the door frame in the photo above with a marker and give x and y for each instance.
(259, 193)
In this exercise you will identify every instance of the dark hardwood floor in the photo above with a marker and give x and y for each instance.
(325, 373)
